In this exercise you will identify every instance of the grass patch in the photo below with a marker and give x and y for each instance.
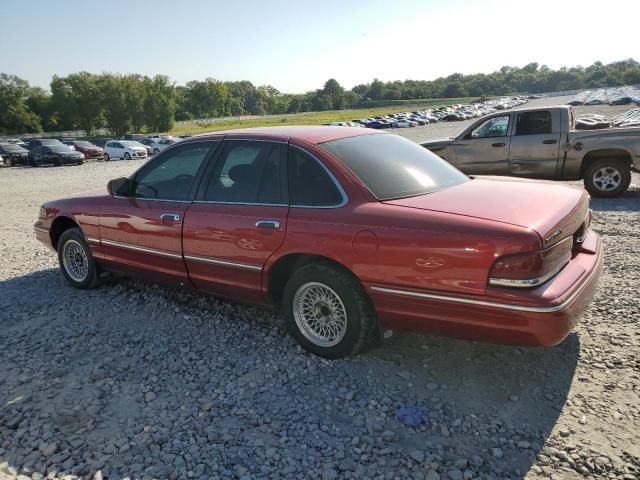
(309, 118)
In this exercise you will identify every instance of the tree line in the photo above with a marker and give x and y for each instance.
(137, 103)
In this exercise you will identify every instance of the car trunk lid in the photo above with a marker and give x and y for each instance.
(555, 211)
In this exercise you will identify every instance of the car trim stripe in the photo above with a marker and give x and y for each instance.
(224, 263)
(483, 303)
(136, 248)
(93, 240)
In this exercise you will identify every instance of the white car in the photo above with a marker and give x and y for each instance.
(161, 143)
(126, 149)
(403, 123)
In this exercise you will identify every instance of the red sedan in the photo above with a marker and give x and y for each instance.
(347, 231)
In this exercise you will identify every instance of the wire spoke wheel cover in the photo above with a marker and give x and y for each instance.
(75, 261)
(320, 314)
(607, 178)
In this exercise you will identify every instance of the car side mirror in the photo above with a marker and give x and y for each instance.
(118, 186)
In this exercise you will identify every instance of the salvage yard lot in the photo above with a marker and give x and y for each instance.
(137, 380)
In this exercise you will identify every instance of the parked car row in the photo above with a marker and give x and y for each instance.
(448, 113)
(53, 151)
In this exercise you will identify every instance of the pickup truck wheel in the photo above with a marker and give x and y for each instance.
(76, 261)
(327, 311)
(607, 177)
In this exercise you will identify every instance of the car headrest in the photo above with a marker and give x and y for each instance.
(241, 173)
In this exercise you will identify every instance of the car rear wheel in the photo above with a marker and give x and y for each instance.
(106, 157)
(327, 311)
(76, 261)
(607, 177)
(127, 156)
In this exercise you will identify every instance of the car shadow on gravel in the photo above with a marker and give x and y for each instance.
(517, 393)
(628, 201)
(133, 379)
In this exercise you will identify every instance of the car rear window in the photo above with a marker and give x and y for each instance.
(391, 166)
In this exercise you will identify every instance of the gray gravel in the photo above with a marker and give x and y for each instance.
(136, 381)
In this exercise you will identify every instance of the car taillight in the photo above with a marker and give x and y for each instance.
(522, 270)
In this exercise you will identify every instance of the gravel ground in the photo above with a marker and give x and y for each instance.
(134, 380)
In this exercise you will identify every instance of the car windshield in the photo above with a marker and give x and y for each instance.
(391, 166)
(83, 144)
(9, 147)
(131, 143)
(60, 148)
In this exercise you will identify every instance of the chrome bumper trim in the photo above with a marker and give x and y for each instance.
(503, 306)
(136, 248)
(224, 263)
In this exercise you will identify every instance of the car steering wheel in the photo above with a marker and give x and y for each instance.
(153, 189)
(180, 178)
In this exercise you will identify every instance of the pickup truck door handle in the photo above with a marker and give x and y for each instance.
(270, 224)
(500, 144)
(170, 217)
(550, 142)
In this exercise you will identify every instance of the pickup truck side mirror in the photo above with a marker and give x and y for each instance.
(118, 186)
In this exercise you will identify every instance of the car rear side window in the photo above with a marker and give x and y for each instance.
(534, 123)
(310, 185)
(247, 172)
(391, 166)
(170, 175)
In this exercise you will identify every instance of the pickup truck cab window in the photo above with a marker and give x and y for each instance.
(247, 172)
(534, 123)
(170, 176)
(494, 127)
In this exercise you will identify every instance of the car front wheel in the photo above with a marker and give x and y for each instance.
(327, 311)
(76, 261)
(607, 177)
(127, 156)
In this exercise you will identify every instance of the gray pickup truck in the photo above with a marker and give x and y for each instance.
(543, 143)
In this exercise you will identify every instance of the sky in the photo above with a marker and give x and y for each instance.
(296, 45)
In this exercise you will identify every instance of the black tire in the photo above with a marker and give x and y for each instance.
(620, 172)
(75, 236)
(127, 156)
(361, 322)
(8, 162)
(106, 157)
(156, 151)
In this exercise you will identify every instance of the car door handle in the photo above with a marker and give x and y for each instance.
(498, 144)
(550, 142)
(271, 224)
(169, 217)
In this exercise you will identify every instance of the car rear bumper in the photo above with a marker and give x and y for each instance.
(543, 316)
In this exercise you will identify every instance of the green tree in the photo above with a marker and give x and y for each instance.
(160, 104)
(76, 99)
(15, 114)
(113, 100)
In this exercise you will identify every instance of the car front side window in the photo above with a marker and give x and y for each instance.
(170, 176)
(494, 127)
